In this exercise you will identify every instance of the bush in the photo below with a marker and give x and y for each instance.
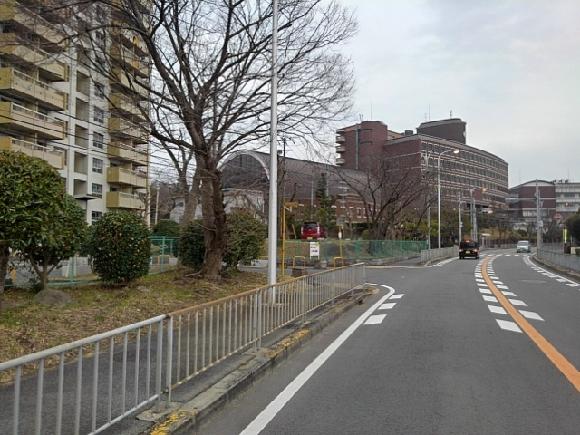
(166, 228)
(191, 246)
(119, 247)
(245, 238)
(573, 225)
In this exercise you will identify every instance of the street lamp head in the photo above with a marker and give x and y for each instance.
(455, 151)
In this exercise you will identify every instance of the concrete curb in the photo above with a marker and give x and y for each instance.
(186, 418)
(567, 272)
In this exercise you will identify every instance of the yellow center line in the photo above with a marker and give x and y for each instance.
(559, 360)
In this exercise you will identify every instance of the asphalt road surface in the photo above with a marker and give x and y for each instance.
(463, 347)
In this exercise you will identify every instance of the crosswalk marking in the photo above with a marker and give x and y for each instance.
(531, 315)
(485, 291)
(387, 306)
(518, 302)
(508, 325)
(508, 293)
(496, 310)
(398, 296)
(375, 319)
(489, 298)
(502, 287)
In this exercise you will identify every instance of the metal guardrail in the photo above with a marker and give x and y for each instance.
(109, 398)
(131, 366)
(433, 254)
(206, 334)
(566, 261)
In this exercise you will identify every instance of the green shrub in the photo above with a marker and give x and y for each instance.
(191, 246)
(166, 228)
(245, 238)
(119, 247)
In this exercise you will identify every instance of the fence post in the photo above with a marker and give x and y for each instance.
(169, 357)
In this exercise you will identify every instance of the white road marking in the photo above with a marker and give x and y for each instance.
(489, 298)
(496, 310)
(398, 296)
(498, 282)
(508, 326)
(508, 293)
(518, 302)
(508, 255)
(268, 414)
(503, 287)
(485, 291)
(482, 284)
(375, 319)
(387, 306)
(531, 315)
(480, 280)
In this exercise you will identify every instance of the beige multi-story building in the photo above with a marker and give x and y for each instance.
(57, 106)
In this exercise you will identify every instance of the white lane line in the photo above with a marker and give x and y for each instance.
(398, 296)
(518, 302)
(496, 310)
(387, 306)
(531, 315)
(268, 414)
(508, 293)
(375, 319)
(489, 298)
(508, 326)
(485, 291)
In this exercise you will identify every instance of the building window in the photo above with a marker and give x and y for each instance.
(98, 166)
(99, 115)
(97, 190)
(98, 139)
(95, 216)
(100, 90)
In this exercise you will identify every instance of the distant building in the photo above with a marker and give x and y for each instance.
(473, 173)
(522, 203)
(567, 198)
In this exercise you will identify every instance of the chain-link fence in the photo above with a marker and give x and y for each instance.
(349, 251)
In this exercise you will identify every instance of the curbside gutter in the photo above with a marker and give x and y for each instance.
(188, 416)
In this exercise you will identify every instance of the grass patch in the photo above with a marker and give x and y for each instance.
(27, 327)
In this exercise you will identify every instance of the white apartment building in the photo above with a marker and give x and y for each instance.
(56, 106)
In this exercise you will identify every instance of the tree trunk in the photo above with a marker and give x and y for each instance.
(44, 276)
(4, 256)
(214, 219)
(190, 199)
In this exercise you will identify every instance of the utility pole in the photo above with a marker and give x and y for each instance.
(429, 227)
(539, 222)
(460, 223)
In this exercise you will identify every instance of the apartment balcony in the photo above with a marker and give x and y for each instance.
(116, 175)
(53, 157)
(19, 50)
(126, 57)
(340, 139)
(128, 130)
(13, 12)
(124, 200)
(20, 118)
(14, 82)
(130, 83)
(129, 38)
(125, 104)
(340, 149)
(339, 161)
(127, 153)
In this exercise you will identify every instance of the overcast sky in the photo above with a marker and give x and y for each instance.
(510, 69)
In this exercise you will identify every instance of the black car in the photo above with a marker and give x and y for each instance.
(468, 248)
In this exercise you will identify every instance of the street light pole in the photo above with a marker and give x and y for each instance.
(460, 223)
(456, 151)
(273, 195)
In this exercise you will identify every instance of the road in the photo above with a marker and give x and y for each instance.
(465, 347)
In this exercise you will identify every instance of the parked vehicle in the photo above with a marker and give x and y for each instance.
(468, 248)
(523, 246)
(312, 231)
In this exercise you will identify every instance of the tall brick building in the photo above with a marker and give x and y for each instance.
(473, 173)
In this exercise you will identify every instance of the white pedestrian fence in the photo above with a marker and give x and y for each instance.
(434, 254)
(90, 384)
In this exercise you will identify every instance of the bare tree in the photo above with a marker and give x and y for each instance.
(388, 188)
(209, 85)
